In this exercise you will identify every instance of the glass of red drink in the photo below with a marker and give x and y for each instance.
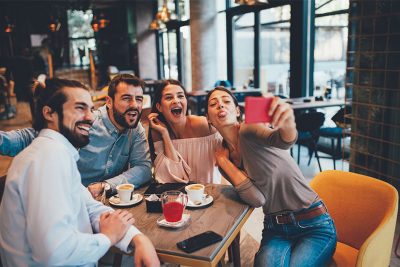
(173, 204)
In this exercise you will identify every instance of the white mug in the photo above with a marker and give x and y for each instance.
(195, 192)
(125, 192)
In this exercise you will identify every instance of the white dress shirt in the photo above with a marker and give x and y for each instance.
(47, 218)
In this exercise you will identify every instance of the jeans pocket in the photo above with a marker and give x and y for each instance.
(318, 221)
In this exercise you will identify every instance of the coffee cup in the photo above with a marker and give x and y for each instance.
(125, 192)
(173, 205)
(195, 192)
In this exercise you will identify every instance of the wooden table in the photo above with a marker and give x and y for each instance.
(226, 216)
(299, 104)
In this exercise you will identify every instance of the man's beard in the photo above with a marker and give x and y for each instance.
(121, 120)
(77, 140)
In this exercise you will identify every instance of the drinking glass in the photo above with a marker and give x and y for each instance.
(173, 204)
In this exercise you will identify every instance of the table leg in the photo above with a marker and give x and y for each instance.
(236, 251)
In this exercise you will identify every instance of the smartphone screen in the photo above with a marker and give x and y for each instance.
(199, 241)
(256, 109)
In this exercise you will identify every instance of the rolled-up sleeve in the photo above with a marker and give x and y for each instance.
(250, 194)
(13, 142)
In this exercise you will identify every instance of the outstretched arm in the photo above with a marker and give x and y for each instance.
(13, 142)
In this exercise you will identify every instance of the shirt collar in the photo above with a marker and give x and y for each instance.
(49, 133)
(107, 122)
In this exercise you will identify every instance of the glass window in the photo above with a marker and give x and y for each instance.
(186, 57)
(275, 50)
(243, 43)
(170, 55)
(221, 46)
(331, 33)
(81, 36)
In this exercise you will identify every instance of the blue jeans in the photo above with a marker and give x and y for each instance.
(310, 242)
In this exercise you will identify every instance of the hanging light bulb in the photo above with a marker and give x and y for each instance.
(103, 22)
(54, 24)
(95, 24)
(9, 26)
(154, 25)
(164, 15)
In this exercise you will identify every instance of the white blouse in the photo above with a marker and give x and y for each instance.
(196, 161)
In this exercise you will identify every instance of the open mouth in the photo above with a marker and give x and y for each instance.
(132, 114)
(84, 128)
(176, 111)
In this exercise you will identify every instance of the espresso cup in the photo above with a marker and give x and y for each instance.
(125, 192)
(195, 192)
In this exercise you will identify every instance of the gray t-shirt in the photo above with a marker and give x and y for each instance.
(274, 182)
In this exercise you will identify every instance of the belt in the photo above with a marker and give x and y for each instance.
(286, 218)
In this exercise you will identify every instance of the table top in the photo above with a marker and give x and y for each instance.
(238, 91)
(225, 216)
(298, 103)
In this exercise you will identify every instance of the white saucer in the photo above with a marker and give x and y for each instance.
(184, 221)
(136, 198)
(207, 199)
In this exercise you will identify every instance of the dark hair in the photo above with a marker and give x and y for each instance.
(123, 78)
(52, 96)
(159, 89)
(221, 88)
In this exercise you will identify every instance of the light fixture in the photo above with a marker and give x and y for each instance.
(103, 22)
(9, 26)
(251, 2)
(154, 25)
(95, 24)
(54, 24)
(163, 16)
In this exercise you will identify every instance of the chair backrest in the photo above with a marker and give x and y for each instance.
(309, 122)
(357, 203)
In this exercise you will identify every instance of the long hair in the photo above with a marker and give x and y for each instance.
(223, 89)
(53, 96)
(159, 89)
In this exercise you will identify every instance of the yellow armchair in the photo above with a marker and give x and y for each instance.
(365, 211)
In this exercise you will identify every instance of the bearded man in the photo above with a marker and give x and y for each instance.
(118, 150)
(47, 218)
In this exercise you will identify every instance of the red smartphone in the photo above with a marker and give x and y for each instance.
(256, 109)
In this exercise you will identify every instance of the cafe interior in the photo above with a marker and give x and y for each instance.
(336, 62)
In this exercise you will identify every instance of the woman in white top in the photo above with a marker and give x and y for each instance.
(182, 146)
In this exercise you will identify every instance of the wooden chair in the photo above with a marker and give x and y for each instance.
(364, 210)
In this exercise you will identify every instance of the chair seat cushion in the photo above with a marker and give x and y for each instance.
(344, 256)
(331, 132)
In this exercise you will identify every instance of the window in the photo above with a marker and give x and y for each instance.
(81, 36)
(331, 33)
(275, 50)
(243, 39)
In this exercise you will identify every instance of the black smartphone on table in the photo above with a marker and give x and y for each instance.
(199, 241)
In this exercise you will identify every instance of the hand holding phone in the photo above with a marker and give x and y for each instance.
(256, 109)
(199, 241)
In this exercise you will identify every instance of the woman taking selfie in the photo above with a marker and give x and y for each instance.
(181, 146)
(298, 231)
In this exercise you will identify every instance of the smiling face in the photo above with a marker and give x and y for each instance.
(221, 109)
(126, 106)
(173, 104)
(77, 116)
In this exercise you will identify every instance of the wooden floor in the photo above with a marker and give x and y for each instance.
(251, 233)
